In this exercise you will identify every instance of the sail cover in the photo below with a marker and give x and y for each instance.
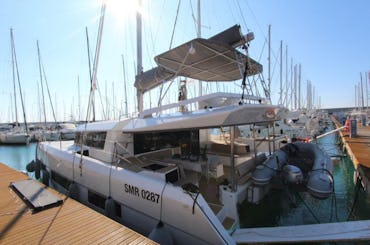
(213, 59)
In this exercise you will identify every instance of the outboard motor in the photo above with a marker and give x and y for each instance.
(292, 174)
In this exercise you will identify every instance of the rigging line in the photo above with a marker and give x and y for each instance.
(47, 85)
(309, 209)
(193, 16)
(153, 40)
(91, 80)
(174, 25)
(41, 82)
(101, 102)
(176, 73)
(241, 14)
(172, 35)
(259, 26)
(263, 48)
(160, 215)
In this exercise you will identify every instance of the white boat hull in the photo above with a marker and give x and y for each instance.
(15, 138)
(144, 200)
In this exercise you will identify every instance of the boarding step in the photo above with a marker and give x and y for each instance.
(220, 212)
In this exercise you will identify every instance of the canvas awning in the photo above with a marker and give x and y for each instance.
(213, 59)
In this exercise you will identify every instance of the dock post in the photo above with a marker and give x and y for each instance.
(353, 128)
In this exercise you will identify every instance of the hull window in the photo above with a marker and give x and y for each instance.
(96, 200)
(64, 182)
(118, 209)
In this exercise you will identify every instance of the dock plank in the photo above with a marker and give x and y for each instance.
(69, 223)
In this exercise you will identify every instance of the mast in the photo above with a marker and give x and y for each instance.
(299, 87)
(269, 59)
(367, 92)
(92, 95)
(14, 87)
(42, 86)
(281, 73)
(295, 87)
(139, 68)
(79, 98)
(93, 74)
(291, 83)
(199, 34)
(124, 84)
(362, 93)
(42, 74)
(19, 82)
(286, 77)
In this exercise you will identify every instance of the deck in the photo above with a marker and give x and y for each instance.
(69, 222)
(358, 149)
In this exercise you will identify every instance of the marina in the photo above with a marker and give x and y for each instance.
(67, 220)
(350, 216)
(187, 138)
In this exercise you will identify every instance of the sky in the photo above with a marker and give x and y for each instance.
(329, 39)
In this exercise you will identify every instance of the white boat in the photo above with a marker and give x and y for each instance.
(296, 164)
(15, 137)
(66, 130)
(161, 174)
(62, 131)
(17, 134)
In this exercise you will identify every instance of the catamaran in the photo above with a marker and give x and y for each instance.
(163, 173)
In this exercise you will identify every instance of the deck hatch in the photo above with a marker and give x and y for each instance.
(35, 195)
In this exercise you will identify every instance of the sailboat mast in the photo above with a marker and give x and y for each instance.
(91, 97)
(286, 76)
(14, 87)
(139, 54)
(366, 89)
(124, 84)
(199, 34)
(269, 59)
(19, 83)
(281, 73)
(299, 86)
(362, 93)
(42, 86)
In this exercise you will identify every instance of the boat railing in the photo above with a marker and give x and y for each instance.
(208, 99)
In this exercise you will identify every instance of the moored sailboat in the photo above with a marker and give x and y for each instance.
(17, 134)
(160, 172)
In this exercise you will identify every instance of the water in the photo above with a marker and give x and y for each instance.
(18, 156)
(349, 202)
(276, 209)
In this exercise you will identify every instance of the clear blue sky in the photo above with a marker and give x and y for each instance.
(328, 38)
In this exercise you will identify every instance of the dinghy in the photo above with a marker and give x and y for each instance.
(299, 163)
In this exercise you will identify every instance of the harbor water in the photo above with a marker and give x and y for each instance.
(280, 207)
(288, 208)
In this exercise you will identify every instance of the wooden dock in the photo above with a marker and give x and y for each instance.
(358, 149)
(66, 222)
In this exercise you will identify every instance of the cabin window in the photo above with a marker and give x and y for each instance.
(92, 139)
(96, 199)
(64, 182)
(187, 140)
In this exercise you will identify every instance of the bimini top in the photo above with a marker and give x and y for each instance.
(213, 59)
